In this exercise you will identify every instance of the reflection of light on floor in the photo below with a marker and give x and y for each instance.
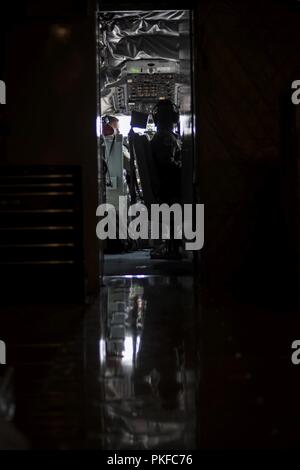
(102, 350)
(128, 351)
(136, 276)
(138, 343)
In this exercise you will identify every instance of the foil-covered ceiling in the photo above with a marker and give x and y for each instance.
(133, 35)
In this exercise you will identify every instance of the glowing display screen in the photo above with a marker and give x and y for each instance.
(134, 70)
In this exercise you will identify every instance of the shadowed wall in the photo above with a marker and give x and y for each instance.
(50, 71)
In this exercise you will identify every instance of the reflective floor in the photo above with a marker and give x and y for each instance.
(115, 374)
(125, 371)
(147, 363)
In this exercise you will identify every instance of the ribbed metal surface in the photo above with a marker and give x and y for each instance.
(41, 230)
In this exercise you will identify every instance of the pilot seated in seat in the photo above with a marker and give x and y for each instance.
(166, 151)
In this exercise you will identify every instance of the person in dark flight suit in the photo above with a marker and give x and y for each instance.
(166, 151)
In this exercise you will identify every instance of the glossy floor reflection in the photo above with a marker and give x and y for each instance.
(147, 363)
(117, 373)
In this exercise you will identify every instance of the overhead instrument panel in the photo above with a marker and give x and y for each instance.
(146, 82)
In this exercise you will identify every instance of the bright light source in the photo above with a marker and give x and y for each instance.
(98, 126)
(124, 124)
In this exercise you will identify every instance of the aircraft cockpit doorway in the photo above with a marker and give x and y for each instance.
(145, 129)
(144, 81)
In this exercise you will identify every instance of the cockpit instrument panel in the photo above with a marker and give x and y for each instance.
(147, 81)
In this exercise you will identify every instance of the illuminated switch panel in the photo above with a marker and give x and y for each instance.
(150, 87)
